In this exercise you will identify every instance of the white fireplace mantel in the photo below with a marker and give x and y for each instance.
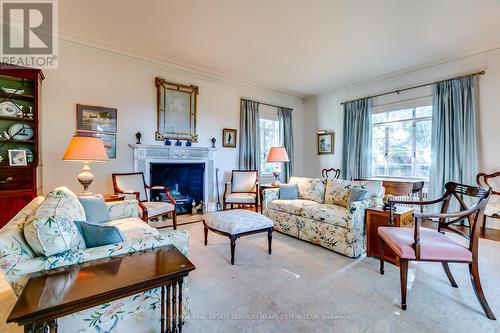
(144, 155)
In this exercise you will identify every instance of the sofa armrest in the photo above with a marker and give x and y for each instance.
(123, 209)
(268, 195)
(356, 212)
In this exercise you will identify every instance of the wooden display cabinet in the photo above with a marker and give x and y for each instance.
(19, 107)
(378, 217)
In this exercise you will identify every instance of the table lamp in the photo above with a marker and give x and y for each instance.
(277, 155)
(86, 149)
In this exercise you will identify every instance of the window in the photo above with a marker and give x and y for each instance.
(269, 137)
(401, 142)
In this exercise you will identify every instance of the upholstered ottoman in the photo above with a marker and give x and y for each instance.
(237, 223)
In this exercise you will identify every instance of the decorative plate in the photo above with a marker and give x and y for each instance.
(8, 109)
(21, 131)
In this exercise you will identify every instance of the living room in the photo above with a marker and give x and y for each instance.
(245, 103)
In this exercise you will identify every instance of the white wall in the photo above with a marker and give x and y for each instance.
(92, 76)
(325, 112)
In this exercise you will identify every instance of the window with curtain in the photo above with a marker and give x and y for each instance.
(269, 137)
(401, 142)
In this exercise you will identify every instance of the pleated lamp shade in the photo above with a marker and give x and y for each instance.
(277, 154)
(83, 148)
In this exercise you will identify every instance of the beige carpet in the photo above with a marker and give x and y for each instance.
(305, 288)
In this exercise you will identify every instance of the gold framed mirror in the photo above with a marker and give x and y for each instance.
(176, 111)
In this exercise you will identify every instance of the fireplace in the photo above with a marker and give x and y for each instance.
(185, 181)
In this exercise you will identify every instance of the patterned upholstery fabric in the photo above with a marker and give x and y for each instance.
(338, 191)
(237, 221)
(12, 241)
(294, 207)
(51, 229)
(130, 314)
(493, 207)
(338, 228)
(310, 188)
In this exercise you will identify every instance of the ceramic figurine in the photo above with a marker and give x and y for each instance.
(188, 143)
(168, 142)
(138, 136)
(178, 143)
(214, 140)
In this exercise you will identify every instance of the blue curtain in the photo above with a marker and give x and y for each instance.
(357, 152)
(454, 137)
(249, 135)
(286, 138)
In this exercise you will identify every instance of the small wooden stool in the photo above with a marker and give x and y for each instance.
(237, 223)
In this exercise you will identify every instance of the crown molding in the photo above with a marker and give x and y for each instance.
(404, 72)
(173, 65)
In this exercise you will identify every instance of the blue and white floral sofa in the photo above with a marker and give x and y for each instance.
(322, 213)
(137, 313)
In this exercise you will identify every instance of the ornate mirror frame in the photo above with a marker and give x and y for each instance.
(191, 91)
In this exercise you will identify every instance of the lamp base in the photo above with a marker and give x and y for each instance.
(276, 174)
(85, 178)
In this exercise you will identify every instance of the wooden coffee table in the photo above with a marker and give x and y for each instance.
(102, 281)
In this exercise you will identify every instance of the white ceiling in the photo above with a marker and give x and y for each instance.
(300, 46)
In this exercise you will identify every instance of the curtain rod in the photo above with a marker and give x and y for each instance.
(271, 105)
(415, 87)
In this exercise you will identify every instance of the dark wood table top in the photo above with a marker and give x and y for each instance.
(62, 291)
(398, 209)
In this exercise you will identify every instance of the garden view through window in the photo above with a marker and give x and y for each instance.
(401, 142)
(269, 137)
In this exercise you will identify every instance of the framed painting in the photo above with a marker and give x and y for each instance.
(326, 143)
(95, 118)
(108, 139)
(229, 138)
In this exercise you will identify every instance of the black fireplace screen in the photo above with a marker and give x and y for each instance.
(185, 181)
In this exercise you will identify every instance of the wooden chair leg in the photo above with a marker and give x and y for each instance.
(476, 284)
(382, 250)
(256, 207)
(174, 219)
(403, 271)
(484, 223)
(449, 275)
(205, 230)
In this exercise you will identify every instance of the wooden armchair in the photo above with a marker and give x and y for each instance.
(134, 184)
(335, 173)
(423, 244)
(492, 210)
(242, 189)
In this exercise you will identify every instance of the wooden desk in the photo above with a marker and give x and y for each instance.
(113, 197)
(100, 281)
(377, 217)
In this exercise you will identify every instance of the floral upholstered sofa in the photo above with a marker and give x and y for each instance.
(322, 213)
(137, 313)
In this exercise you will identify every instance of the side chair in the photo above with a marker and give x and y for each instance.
(335, 173)
(242, 189)
(134, 184)
(424, 244)
(492, 210)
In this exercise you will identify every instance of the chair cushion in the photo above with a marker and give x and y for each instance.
(493, 207)
(237, 221)
(158, 207)
(338, 191)
(130, 183)
(244, 181)
(433, 245)
(291, 206)
(99, 234)
(95, 208)
(243, 198)
(51, 230)
(288, 191)
(331, 214)
(310, 188)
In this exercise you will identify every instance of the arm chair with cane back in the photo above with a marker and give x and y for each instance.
(134, 184)
(325, 173)
(242, 189)
(492, 210)
(423, 244)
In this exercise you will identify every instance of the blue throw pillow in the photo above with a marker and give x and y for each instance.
(98, 235)
(357, 194)
(95, 208)
(289, 191)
